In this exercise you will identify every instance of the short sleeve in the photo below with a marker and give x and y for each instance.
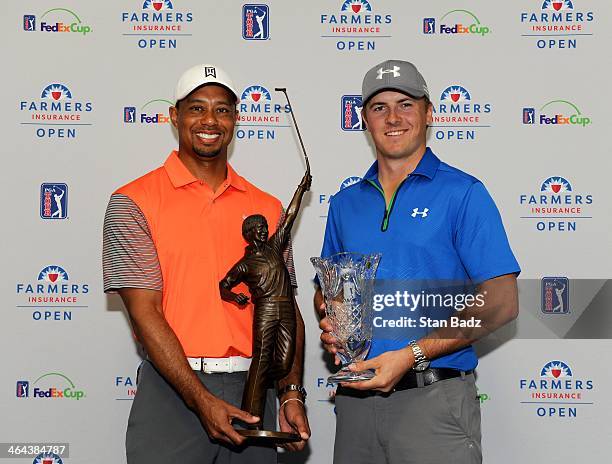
(480, 238)
(331, 240)
(129, 256)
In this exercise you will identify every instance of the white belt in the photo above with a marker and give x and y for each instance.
(217, 365)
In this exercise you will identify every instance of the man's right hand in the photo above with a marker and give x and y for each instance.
(216, 416)
(306, 181)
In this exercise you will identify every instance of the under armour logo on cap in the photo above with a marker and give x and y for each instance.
(210, 71)
(416, 212)
(395, 72)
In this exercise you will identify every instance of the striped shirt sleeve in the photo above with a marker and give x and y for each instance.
(129, 256)
(288, 255)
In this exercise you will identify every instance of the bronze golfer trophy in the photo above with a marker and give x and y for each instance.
(264, 271)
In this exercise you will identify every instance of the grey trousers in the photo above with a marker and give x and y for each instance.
(436, 424)
(161, 429)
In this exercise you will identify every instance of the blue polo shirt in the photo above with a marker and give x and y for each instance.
(441, 225)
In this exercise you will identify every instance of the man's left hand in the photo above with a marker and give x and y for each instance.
(389, 368)
(292, 418)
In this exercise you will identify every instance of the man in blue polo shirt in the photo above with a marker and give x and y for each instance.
(434, 223)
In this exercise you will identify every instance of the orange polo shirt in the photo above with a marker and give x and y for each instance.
(196, 236)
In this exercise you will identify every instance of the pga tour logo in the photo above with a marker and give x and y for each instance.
(255, 21)
(53, 201)
(350, 110)
(555, 295)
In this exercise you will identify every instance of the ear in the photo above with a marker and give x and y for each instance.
(430, 114)
(174, 116)
(364, 118)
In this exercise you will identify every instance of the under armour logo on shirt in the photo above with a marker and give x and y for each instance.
(395, 72)
(416, 212)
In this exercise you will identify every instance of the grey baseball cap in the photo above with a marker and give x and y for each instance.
(394, 75)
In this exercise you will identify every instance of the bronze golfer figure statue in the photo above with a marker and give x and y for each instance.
(264, 271)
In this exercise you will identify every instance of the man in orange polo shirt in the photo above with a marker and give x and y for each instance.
(169, 237)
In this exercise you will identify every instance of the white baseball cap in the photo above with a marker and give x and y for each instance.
(199, 75)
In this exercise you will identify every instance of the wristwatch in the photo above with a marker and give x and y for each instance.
(293, 387)
(420, 360)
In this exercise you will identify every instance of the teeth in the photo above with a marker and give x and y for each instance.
(395, 132)
(208, 136)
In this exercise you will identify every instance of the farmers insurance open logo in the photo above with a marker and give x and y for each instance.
(456, 23)
(260, 115)
(357, 27)
(557, 25)
(556, 207)
(56, 20)
(53, 296)
(557, 392)
(58, 113)
(157, 25)
(460, 116)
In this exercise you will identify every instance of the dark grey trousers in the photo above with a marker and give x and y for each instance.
(161, 429)
(436, 424)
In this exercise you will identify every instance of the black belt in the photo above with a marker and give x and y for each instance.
(411, 379)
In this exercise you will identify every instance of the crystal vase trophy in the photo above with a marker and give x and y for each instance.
(347, 282)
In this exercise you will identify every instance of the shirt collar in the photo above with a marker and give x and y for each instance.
(427, 167)
(180, 176)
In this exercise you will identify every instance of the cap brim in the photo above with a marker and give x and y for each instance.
(411, 92)
(237, 99)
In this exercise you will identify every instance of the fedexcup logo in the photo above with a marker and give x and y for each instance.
(557, 25)
(260, 115)
(57, 113)
(456, 23)
(459, 116)
(152, 112)
(357, 27)
(158, 25)
(557, 392)
(56, 20)
(53, 296)
(53, 385)
(556, 207)
(556, 113)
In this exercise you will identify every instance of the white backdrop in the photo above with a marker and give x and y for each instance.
(525, 61)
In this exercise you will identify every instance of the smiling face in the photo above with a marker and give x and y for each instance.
(397, 123)
(205, 121)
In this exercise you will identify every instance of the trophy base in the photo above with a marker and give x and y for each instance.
(269, 437)
(345, 375)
